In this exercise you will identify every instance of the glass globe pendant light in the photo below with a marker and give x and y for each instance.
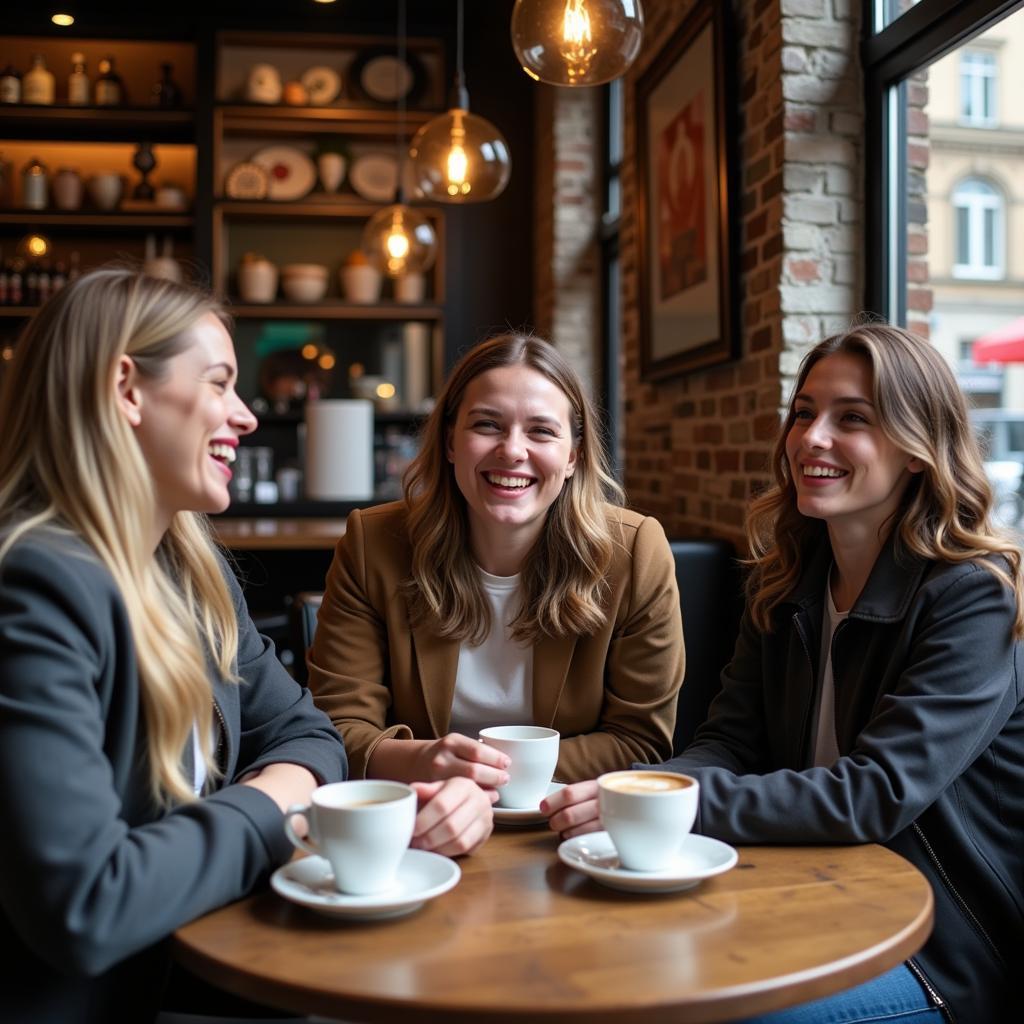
(460, 157)
(577, 42)
(399, 239)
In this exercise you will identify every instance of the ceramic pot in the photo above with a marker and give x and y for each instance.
(361, 283)
(105, 190)
(410, 288)
(304, 282)
(257, 280)
(67, 189)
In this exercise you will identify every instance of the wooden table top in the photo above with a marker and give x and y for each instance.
(279, 534)
(522, 936)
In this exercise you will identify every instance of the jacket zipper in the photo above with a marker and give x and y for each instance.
(221, 733)
(805, 726)
(961, 902)
(937, 1000)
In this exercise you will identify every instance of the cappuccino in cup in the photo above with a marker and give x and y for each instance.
(363, 829)
(648, 815)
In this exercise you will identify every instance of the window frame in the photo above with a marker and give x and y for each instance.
(976, 90)
(928, 30)
(976, 203)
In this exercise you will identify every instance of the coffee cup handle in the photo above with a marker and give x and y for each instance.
(303, 844)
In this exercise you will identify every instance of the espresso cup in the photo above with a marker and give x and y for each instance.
(362, 828)
(533, 751)
(648, 815)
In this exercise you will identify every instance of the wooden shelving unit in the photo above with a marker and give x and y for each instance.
(336, 310)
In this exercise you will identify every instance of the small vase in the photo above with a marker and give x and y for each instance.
(332, 170)
(67, 189)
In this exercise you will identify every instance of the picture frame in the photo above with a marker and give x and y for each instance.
(686, 190)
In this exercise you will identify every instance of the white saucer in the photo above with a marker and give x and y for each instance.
(525, 815)
(421, 877)
(594, 854)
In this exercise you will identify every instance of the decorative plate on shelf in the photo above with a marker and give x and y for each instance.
(290, 173)
(375, 176)
(379, 75)
(322, 84)
(246, 181)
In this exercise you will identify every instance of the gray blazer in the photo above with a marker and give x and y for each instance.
(93, 875)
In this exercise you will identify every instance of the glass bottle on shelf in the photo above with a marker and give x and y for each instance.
(74, 270)
(59, 279)
(14, 282)
(166, 93)
(109, 87)
(38, 85)
(10, 85)
(34, 185)
(79, 91)
(3, 281)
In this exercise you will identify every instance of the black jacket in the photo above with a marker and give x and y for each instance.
(930, 726)
(93, 875)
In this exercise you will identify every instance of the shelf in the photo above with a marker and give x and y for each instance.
(353, 121)
(316, 208)
(96, 219)
(96, 124)
(17, 312)
(334, 310)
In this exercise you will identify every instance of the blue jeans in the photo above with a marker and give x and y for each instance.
(896, 995)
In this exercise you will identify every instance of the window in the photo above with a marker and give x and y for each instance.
(978, 229)
(978, 89)
(611, 274)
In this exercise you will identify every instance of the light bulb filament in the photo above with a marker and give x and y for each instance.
(458, 160)
(577, 48)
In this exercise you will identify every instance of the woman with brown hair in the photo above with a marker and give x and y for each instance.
(509, 587)
(875, 694)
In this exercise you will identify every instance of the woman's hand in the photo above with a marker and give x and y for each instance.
(572, 811)
(455, 816)
(285, 784)
(452, 756)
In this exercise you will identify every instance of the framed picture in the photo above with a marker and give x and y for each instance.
(685, 192)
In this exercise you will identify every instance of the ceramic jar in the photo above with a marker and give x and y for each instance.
(410, 288)
(332, 169)
(360, 282)
(257, 279)
(67, 189)
(105, 190)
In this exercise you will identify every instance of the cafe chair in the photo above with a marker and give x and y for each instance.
(711, 601)
(304, 610)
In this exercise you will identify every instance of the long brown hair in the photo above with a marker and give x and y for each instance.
(945, 511)
(563, 578)
(76, 467)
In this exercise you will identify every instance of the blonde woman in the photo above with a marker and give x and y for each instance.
(509, 587)
(149, 739)
(875, 695)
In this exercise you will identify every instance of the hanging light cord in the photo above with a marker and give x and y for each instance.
(401, 143)
(461, 99)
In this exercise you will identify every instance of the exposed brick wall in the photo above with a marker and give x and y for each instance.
(695, 446)
(920, 298)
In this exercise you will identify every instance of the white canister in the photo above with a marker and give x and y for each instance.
(257, 279)
(339, 450)
(34, 185)
(360, 282)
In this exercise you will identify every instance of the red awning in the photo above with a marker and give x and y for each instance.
(1003, 345)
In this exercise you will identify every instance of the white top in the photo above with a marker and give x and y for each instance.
(825, 746)
(494, 682)
(198, 764)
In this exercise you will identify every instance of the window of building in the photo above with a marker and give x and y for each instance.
(978, 89)
(978, 208)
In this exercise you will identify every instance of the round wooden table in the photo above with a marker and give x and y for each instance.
(523, 937)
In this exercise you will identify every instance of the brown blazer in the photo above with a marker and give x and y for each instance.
(612, 695)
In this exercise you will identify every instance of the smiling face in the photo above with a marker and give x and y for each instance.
(512, 450)
(845, 470)
(188, 422)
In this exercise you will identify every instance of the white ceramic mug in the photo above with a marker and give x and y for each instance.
(361, 282)
(362, 828)
(648, 815)
(533, 751)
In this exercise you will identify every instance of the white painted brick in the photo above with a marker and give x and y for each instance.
(799, 330)
(838, 324)
(801, 236)
(845, 123)
(816, 298)
(803, 8)
(807, 89)
(819, 149)
(836, 35)
(802, 178)
(839, 181)
(841, 239)
(833, 63)
(790, 358)
(794, 58)
(847, 269)
(810, 209)
(849, 211)
(846, 10)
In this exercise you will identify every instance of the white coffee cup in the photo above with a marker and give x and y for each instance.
(648, 815)
(362, 828)
(533, 751)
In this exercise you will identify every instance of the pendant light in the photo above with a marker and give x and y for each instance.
(460, 157)
(577, 42)
(399, 239)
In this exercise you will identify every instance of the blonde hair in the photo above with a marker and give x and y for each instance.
(945, 510)
(563, 578)
(77, 467)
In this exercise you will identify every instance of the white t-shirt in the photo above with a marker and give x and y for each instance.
(825, 745)
(198, 764)
(494, 682)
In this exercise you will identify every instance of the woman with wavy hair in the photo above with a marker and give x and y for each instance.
(150, 741)
(509, 587)
(875, 694)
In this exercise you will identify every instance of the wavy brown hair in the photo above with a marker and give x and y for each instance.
(78, 469)
(945, 511)
(563, 578)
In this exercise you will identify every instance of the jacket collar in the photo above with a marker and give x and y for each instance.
(895, 577)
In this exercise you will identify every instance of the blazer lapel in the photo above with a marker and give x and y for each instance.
(438, 661)
(551, 659)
